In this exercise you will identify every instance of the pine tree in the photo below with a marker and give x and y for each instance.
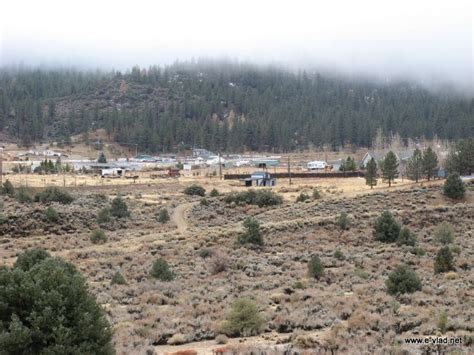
(454, 187)
(48, 309)
(390, 168)
(348, 165)
(371, 173)
(386, 228)
(444, 261)
(430, 163)
(415, 166)
(102, 159)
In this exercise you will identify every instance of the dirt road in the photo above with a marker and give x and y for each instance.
(179, 216)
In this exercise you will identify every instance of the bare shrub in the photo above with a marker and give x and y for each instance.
(218, 263)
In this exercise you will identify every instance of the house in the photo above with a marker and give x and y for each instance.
(109, 169)
(145, 158)
(369, 155)
(260, 178)
(402, 157)
(203, 153)
(265, 163)
(335, 165)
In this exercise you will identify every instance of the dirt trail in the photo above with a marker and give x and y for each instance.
(179, 216)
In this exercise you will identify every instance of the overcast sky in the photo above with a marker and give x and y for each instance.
(423, 39)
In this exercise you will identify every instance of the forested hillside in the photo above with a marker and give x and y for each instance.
(222, 106)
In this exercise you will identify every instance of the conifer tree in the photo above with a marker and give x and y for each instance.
(390, 168)
(371, 173)
(102, 159)
(415, 166)
(430, 163)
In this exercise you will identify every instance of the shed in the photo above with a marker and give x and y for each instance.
(260, 178)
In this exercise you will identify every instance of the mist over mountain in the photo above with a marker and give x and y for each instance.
(225, 106)
(428, 42)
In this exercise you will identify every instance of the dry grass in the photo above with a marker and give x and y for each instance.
(148, 314)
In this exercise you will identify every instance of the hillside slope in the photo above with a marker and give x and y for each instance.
(222, 106)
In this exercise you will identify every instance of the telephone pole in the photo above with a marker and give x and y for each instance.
(1, 167)
(289, 169)
(220, 167)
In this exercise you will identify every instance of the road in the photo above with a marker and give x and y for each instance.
(179, 216)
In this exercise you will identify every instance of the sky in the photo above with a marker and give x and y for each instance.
(427, 40)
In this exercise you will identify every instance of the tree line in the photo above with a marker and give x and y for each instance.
(425, 165)
(223, 107)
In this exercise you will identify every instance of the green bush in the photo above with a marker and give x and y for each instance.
(265, 198)
(214, 193)
(386, 229)
(98, 236)
(456, 249)
(30, 258)
(339, 255)
(444, 261)
(118, 279)
(205, 253)
(23, 195)
(160, 270)
(260, 198)
(195, 190)
(315, 267)
(302, 197)
(343, 221)
(454, 187)
(442, 323)
(316, 194)
(163, 216)
(53, 194)
(8, 189)
(103, 217)
(444, 233)
(359, 272)
(56, 315)
(403, 280)
(252, 234)
(119, 208)
(51, 214)
(244, 319)
(418, 251)
(204, 202)
(406, 237)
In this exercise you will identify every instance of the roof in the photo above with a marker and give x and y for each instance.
(374, 155)
(401, 155)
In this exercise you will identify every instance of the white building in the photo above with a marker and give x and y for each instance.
(316, 165)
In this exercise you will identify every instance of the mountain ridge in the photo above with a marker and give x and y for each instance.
(224, 106)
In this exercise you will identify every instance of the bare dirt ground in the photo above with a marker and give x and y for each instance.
(179, 216)
(347, 311)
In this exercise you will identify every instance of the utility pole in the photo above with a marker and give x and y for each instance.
(1, 167)
(220, 167)
(289, 169)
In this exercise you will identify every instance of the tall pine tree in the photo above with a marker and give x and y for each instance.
(371, 173)
(415, 166)
(430, 163)
(390, 168)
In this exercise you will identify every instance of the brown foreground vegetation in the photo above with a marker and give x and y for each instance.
(346, 311)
